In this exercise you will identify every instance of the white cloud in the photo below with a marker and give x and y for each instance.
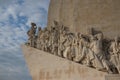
(33, 10)
(15, 19)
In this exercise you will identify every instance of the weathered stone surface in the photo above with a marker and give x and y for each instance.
(45, 66)
(112, 77)
(79, 15)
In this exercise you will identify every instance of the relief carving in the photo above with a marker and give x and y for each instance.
(87, 49)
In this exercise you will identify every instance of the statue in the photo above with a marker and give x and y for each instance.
(62, 41)
(55, 36)
(54, 41)
(81, 43)
(114, 51)
(68, 46)
(46, 39)
(31, 34)
(39, 38)
(71, 49)
(86, 53)
(99, 61)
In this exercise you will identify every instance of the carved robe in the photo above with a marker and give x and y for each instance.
(96, 48)
(115, 55)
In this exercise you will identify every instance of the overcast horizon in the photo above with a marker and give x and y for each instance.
(15, 20)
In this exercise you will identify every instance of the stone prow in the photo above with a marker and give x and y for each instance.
(45, 66)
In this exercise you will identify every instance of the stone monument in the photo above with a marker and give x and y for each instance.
(80, 42)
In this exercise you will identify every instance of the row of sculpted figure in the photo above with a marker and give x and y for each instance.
(92, 50)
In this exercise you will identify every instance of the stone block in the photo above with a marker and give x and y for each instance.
(45, 66)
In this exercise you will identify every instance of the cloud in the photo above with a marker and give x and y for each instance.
(16, 16)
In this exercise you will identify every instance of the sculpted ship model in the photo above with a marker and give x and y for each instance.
(58, 52)
(92, 50)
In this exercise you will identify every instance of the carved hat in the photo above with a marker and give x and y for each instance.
(33, 24)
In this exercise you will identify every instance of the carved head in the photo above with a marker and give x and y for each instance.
(80, 35)
(116, 39)
(100, 36)
(33, 24)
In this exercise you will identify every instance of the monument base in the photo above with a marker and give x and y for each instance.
(45, 66)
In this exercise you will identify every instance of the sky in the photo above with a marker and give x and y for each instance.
(15, 19)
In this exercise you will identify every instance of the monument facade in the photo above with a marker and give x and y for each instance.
(84, 33)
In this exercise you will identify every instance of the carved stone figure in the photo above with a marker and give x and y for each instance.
(72, 47)
(62, 41)
(54, 41)
(96, 47)
(31, 34)
(86, 53)
(115, 53)
(46, 39)
(81, 43)
(68, 45)
(99, 61)
(39, 38)
(55, 37)
(76, 48)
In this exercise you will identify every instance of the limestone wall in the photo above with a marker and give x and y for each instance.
(79, 15)
(45, 66)
(54, 12)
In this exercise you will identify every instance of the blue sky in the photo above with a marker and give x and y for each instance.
(15, 19)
